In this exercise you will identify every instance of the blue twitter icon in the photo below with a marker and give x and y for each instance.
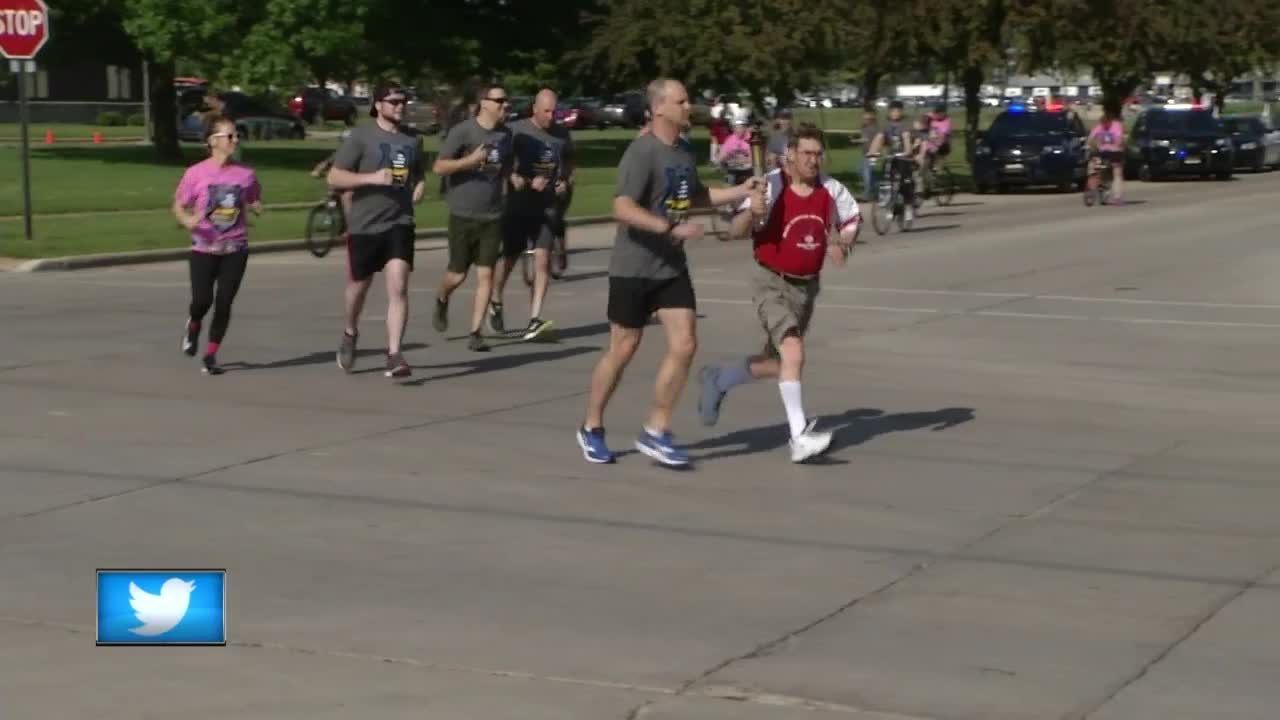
(162, 607)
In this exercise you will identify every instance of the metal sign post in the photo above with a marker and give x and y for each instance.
(24, 29)
(21, 68)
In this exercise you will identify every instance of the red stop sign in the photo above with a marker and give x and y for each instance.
(24, 28)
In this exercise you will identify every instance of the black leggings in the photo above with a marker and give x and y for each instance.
(227, 271)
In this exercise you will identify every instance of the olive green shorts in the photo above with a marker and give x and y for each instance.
(473, 242)
(785, 306)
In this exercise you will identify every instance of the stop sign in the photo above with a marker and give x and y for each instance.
(24, 28)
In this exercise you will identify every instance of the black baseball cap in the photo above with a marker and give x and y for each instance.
(381, 94)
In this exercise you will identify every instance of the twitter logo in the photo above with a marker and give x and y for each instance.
(162, 607)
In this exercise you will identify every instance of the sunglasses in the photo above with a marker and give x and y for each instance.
(393, 101)
(500, 100)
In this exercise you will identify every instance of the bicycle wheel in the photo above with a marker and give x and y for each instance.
(944, 186)
(882, 211)
(324, 225)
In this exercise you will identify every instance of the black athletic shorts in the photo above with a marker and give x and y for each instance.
(519, 229)
(369, 254)
(633, 300)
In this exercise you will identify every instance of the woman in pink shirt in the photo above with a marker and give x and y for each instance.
(210, 202)
(1107, 141)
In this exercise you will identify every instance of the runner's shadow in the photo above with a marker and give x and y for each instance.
(315, 358)
(494, 363)
(853, 427)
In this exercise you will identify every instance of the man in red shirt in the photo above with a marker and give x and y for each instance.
(789, 220)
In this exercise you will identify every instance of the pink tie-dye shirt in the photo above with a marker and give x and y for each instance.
(220, 196)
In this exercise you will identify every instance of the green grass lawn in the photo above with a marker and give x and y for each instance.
(12, 132)
(77, 179)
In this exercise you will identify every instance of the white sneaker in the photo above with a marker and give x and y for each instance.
(809, 444)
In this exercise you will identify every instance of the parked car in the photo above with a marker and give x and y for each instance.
(1027, 146)
(520, 107)
(254, 118)
(625, 110)
(421, 114)
(1178, 140)
(1256, 141)
(581, 114)
(313, 104)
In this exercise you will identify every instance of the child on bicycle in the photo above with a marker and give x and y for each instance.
(1106, 143)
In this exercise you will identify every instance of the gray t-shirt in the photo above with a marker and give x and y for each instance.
(663, 179)
(778, 142)
(543, 153)
(377, 209)
(477, 194)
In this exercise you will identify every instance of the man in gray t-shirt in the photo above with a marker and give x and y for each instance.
(657, 187)
(540, 180)
(381, 164)
(778, 139)
(475, 158)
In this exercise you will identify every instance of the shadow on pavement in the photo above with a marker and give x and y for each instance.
(853, 427)
(930, 228)
(316, 358)
(493, 363)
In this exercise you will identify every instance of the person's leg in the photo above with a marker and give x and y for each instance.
(230, 274)
(544, 240)
(1117, 181)
(461, 257)
(514, 242)
(365, 256)
(682, 345)
(868, 186)
(488, 246)
(202, 269)
(628, 313)
(396, 274)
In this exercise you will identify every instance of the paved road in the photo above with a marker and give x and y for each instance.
(1052, 493)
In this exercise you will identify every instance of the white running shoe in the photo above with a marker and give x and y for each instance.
(809, 444)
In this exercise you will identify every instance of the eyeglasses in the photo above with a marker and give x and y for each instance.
(500, 100)
(394, 101)
(229, 136)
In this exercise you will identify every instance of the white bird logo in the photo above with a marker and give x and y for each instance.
(160, 613)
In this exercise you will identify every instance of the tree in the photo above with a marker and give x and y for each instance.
(726, 47)
(966, 37)
(1124, 42)
(1213, 44)
(875, 39)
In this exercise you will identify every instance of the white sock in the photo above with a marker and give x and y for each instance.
(736, 373)
(790, 390)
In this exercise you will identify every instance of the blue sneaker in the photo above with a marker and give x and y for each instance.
(712, 395)
(593, 446)
(662, 448)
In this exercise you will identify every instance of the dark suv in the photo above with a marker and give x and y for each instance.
(314, 104)
(1027, 146)
(1178, 140)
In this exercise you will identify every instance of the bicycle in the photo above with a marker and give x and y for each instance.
(1097, 188)
(937, 183)
(890, 203)
(326, 223)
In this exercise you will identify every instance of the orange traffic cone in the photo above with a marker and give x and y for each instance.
(97, 138)
(48, 137)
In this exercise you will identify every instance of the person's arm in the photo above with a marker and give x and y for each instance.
(253, 199)
(418, 174)
(751, 214)
(570, 167)
(342, 175)
(446, 164)
(183, 200)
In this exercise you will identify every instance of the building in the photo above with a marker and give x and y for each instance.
(74, 92)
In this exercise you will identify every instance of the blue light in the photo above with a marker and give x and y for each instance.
(1017, 108)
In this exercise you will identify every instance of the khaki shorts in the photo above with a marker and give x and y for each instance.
(784, 306)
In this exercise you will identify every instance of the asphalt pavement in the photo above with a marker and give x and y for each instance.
(1052, 493)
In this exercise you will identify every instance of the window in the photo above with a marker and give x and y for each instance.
(119, 85)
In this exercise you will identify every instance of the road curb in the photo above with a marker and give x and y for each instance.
(140, 257)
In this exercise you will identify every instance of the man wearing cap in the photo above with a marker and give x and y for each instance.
(778, 139)
(381, 164)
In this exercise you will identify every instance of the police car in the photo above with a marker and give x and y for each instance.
(1178, 140)
(1027, 146)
